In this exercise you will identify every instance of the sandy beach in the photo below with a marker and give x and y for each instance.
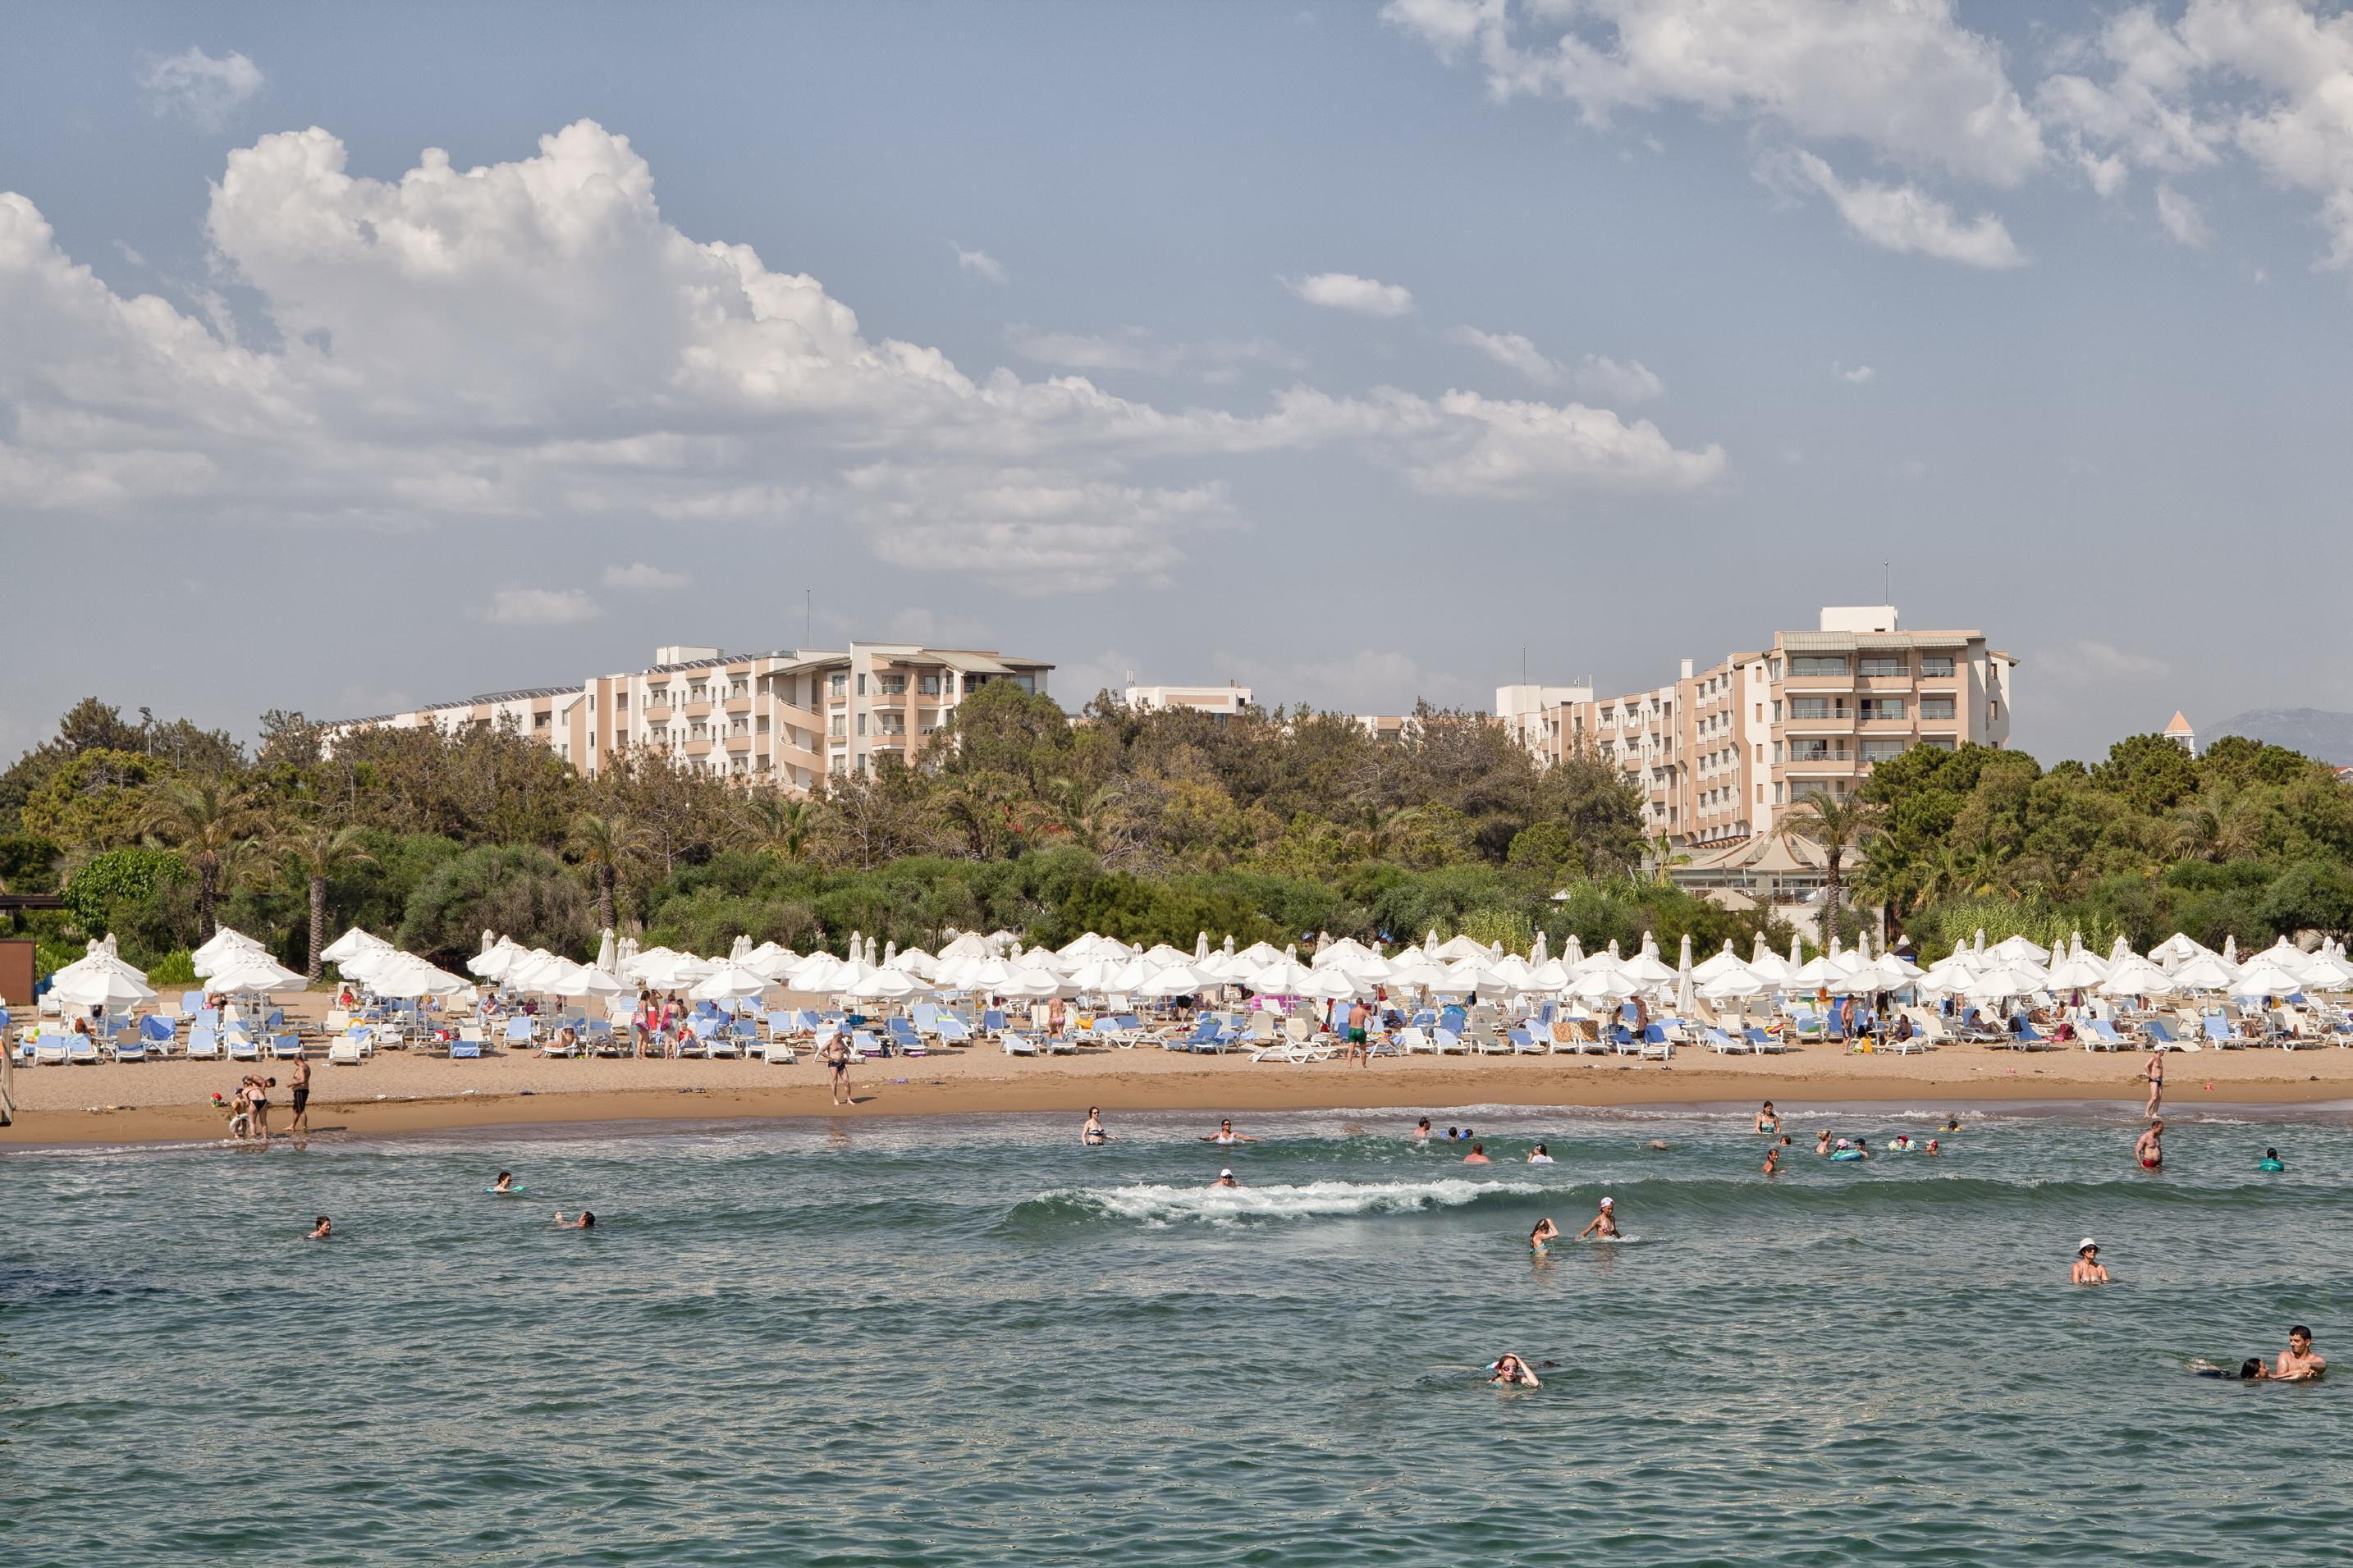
(395, 1092)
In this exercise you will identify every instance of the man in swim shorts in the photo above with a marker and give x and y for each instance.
(1359, 1018)
(2147, 1150)
(836, 1056)
(2298, 1362)
(1478, 1155)
(2088, 1269)
(1605, 1224)
(299, 1124)
(2154, 1072)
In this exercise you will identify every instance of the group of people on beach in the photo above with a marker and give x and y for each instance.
(248, 1106)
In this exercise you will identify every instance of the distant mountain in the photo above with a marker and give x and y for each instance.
(2328, 737)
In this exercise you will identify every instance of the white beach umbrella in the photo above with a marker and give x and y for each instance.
(672, 971)
(1511, 973)
(1548, 976)
(1720, 962)
(2177, 949)
(253, 972)
(1456, 948)
(1094, 977)
(2206, 971)
(2262, 977)
(1645, 968)
(1333, 983)
(1603, 986)
(1999, 983)
(2326, 970)
(1286, 976)
(100, 986)
(729, 979)
(2134, 975)
(2077, 972)
(1421, 975)
(2284, 954)
(496, 959)
(1174, 980)
(884, 984)
(351, 944)
(819, 972)
(224, 946)
(967, 944)
(406, 974)
(1032, 981)
(588, 980)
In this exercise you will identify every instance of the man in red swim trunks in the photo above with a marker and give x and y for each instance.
(2147, 1150)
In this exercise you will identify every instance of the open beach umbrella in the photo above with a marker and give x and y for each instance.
(587, 980)
(351, 944)
(2077, 971)
(496, 958)
(2016, 947)
(2284, 954)
(2177, 949)
(1286, 976)
(1421, 975)
(406, 974)
(100, 986)
(885, 984)
(731, 979)
(2206, 971)
(253, 972)
(2262, 977)
(1333, 983)
(1720, 962)
(223, 945)
(1032, 982)
(1645, 968)
(1174, 980)
(2136, 976)
(2327, 971)
(1999, 982)
(1603, 986)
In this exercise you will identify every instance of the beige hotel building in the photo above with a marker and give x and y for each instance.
(1718, 754)
(785, 718)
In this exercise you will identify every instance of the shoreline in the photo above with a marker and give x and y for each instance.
(927, 1088)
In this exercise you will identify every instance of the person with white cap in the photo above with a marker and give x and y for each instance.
(2088, 1269)
(1226, 1178)
(1605, 1224)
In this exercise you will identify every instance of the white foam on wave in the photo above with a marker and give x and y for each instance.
(1160, 1203)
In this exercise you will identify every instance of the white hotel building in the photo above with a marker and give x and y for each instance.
(786, 718)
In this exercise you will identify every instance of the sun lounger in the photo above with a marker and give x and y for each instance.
(203, 1044)
(130, 1047)
(82, 1050)
(462, 1049)
(1723, 1045)
(1017, 1045)
(347, 1049)
(52, 1048)
(1524, 1043)
(2218, 1033)
(720, 1041)
(241, 1049)
(1655, 1046)
(285, 1047)
(2099, 1035)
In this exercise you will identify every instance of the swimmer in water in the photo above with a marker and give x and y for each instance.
(505, 1183)
(584, 1221)
(1902, 1145)
(2088, 1269)
(1773, 1161)
(1225, 1136)
(1605, 1224)
(2270, 1162)
(1478, 1155)
(1422, 1132)
(1539, 1156)
(1545, 1231)
(1768, 1120)
(1822, 1144)
(2298, 1363)
(2147, 1150)
(1656, 1145)
(326, 1228)
(2250, 1370)
(1952, 1123)
(1449, 1135)
(1093, 1133)
(1512, 1372)
(1226, 1179)
(1930, 1148)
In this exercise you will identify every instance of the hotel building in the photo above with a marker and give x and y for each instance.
(1718, 754)
(1220, 702)
(785, 718)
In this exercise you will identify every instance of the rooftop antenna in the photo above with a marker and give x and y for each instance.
(1888, 582)
(808, 617)
(1524, 664)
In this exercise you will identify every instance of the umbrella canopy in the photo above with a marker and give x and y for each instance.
(351, 944)
(406, 974)
(100, 986)
(2077, 971)
(1999, 983)
(2324, 970)
(2264, 978)
(1421, 975)
(1603, 986)
(2205, 971)
(2177, 949)
(1646, 969)
(1174, 980)
(2015, 947)
(2136, 976)
(225, 945)
(1286, 976)
(253, 972)
(587, 980)
(495, 959)
(732, 979)
(1334, 984)
(1031, 982)
(880, 985)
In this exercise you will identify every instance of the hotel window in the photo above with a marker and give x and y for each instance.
(1815, 752)
(1880, 750)
(839, 685)
(1936, 664)
(539, 720)
(862, 683)
(622, 700)
(1816, 707)
(839, 766)
(1761, 794)
(620, 737)
(1774, 665)
(1777, 794)
(695, 693)
(592, 702)
(1883, 665)
(1882, 708)
(840, 727)
(1935, 708)
(861, 723)
(1777, 751)
(927, 685)
(1818, 664)
(892, 685)
(1938, 743)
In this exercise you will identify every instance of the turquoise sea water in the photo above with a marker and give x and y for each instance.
(937, 1341)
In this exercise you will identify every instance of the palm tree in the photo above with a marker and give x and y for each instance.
(210, 825)
(602, 844)
(777, 823)
(1838, 828)
(319, 848)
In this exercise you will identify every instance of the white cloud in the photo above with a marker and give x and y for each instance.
(2088, 661)
(1028, 530)
(1858, 373)
(1906, 79)
(1616, 381)
(540, 608)
(979, 263)
(530, 339)
(1512, 351)
(203, 90)
(1367, 681)
(2181, 219)
(639, 575)
(1140, 349)
(1906, 219)
(1347, 292)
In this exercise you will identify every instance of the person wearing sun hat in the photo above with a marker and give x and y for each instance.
(2088, 1269)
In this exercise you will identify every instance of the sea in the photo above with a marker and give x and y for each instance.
(945, 1341)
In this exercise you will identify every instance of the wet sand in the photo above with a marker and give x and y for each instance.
(399, 1092)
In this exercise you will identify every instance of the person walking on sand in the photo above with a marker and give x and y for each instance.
(1360, 1051)
(2147, 1151)
(836, 1058)
(2154, 1072)
(298, 1125)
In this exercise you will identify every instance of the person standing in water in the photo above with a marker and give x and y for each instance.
(1545, 1231)
(2271, 1162)
(1773, 1161)
(2148, 1150)
(1605, 1224)
(1540, 1155)
(2088, 1269)
(324, 1227)
(1512, 1372)
(1822, 1145)
(2298, 1363)
(1225, 1136)
(1768, 1120)
(1095, 1134)
(505, 1183)
(1478, 1155)
(1226, 1179)
(1421, 1133)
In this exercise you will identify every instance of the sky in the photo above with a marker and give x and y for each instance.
(353, 358)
